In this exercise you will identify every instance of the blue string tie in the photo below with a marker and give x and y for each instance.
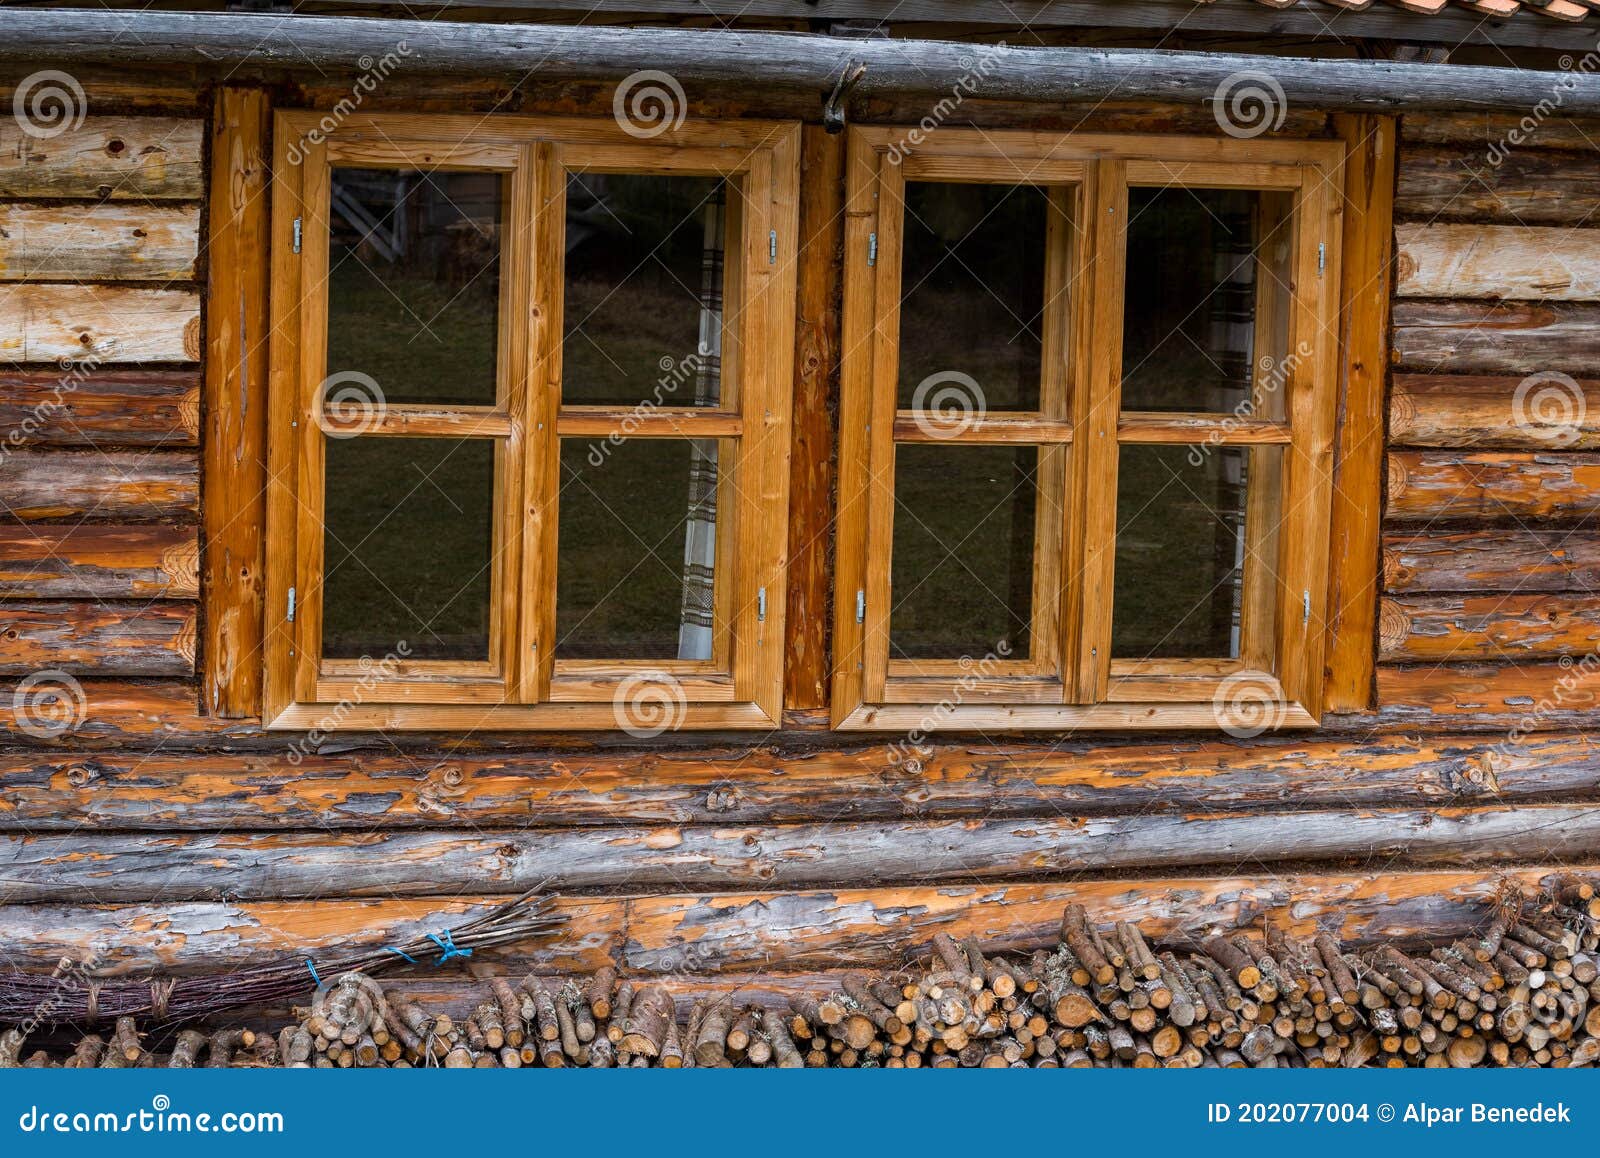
(400, 953)
(448, 944)
(313, 969)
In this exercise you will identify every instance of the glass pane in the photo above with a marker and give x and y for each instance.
(962, 568)
(1208, 294)
(972, 296)
(407, 547)
(414, 284)
(637, 549)
(1189, 570)
(644, 289)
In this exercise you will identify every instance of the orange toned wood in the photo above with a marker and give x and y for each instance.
(98, 324)
(1011, 429)
(236, 403)
(1356, 511)
(604, 422)
(96, 561)
(1486, 486)
(413, 421)
(97, 407)
(1480, 410)
(117, 713)
(1494, 626)
(1211, 429)
(120, 158)
(1491, 559)
(1526, 697)
(128, 486)
(155, 638)
(816, 363)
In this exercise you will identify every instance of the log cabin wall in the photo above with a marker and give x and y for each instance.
(159, 834)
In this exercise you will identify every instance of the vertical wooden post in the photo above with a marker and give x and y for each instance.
(235, 469)
(1357, 514)
(806, 668)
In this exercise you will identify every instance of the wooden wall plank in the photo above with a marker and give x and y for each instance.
(1496, 338)
(1493, 135)
(98, 324)
(816, 363)
(114, 241)
(120, 712)
(382, 789)
(1493, 559)
(1367, 260)
(678, 933)
(236, 404)
(1507, 262)
(116, 867)
(155, 638)
(1525, 186)
(1483, 410)
(1526, 697)
(131, 158)
(92, 561)
(122, 485)
(91, 407)
(1489, 486)
(1492, 626)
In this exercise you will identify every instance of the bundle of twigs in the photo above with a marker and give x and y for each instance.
(69, 997)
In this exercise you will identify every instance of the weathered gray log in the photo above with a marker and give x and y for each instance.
(232, 42)
(117, 867)
(1470, 337)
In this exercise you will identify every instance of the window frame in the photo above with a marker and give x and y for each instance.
(1092, 173)
(523, 687)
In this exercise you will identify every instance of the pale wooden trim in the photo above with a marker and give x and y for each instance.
(654, 422)
(1137, 426)
(547, 717)
(411, 420)
(1064, 717)
(1018, 429)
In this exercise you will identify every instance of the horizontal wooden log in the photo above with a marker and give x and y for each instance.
(1485, 486)
(90, 561)
(1523, 187)
(247, 44)
(1495, 626)
(114, 241)
(381, 789)
(680, 933)
(120, 158)
(110, 407)
(1505, 262)
(153, 638)
(123, 485)
(1492, 559)
(98, 324)
(1492, 135)
(1493, 338)
(115, 867)
(1512, 697)
(1539, 412)
(119, 711)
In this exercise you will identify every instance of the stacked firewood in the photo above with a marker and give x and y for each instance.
(1523, 991)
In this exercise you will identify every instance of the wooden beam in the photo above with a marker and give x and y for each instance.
(113, 241)
(236, 404)
(130, 486)
(382, 789)
(816, 375)
(1358, 454)
(1526, 697)
(1491, 486)
(1485, 627)
(1492, 559)
(272, 43)
(116, 158)
(103, 407)
(1466, 337)
(1484, 410)
(98, 324)
(97, 561)
(156, 638)
(1503, 262)
(1526, 186)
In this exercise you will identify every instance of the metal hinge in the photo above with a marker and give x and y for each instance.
(861, 606)
(297, 235)
(772, 247)
(872, 249)
(761, 605)
(1305, 608)
(1322, 257)
(291, 605)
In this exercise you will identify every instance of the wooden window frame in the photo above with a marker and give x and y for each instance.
(522, 686)
(1081, 424)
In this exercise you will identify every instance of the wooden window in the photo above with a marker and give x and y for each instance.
(529, 418)
(1087, 411)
